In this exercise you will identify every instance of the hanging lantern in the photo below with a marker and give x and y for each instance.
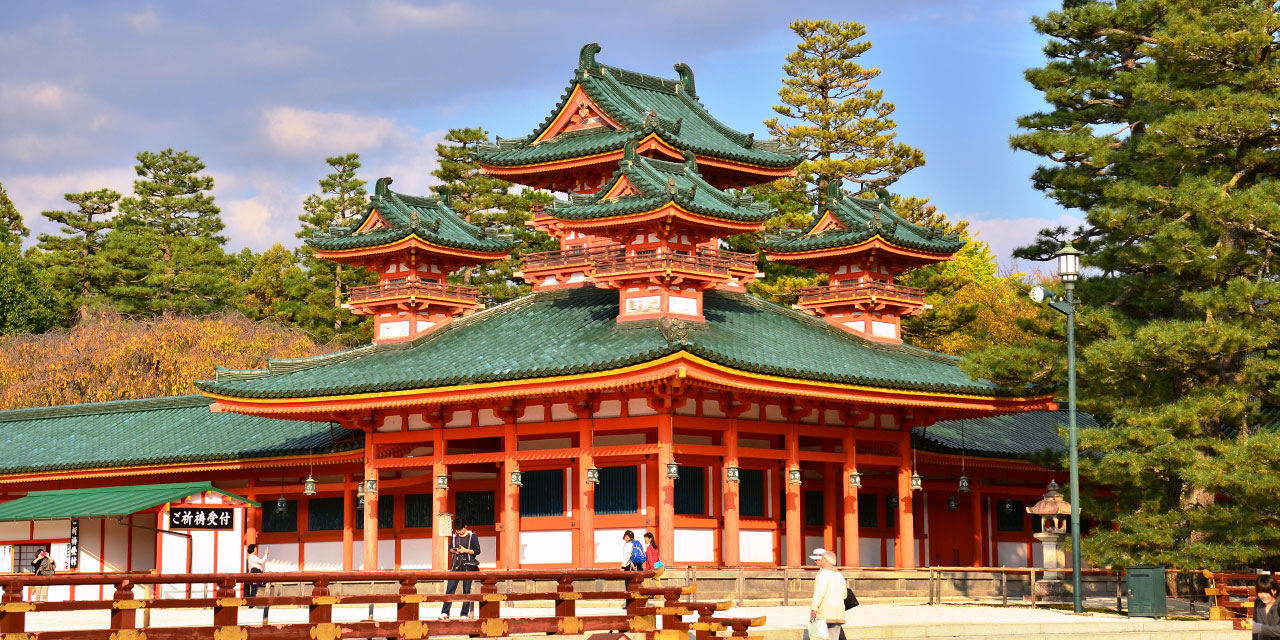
(793, 476)
(517, 479)
(964, 484)
(371, 486)
(855, 480)
(442, 482)
(593, 475)
(1008, 505)
(732, 474)
(953, 504)
(359, 500)
(892, 500)
(917, 483)
(673, 470)
(309, 486)
(282, 505)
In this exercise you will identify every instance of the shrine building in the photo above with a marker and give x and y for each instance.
(639, 386)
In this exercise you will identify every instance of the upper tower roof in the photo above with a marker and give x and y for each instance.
(394, 218)
(606, 107)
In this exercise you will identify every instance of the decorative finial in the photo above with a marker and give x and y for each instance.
(381, 187)
(671, 188)
(751, 140)
(834, 192)
(686, 78)
(413, 217)
(690, 160)
(629, 151)
(435, 225)
(675, 127)
(445, 197)
(650, 120)
(587, 57)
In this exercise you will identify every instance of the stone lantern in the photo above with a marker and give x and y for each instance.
(1054, 513)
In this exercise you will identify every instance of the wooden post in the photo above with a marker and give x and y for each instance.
(732, 535)
(795, 532)
(408, 610)
(370, 504)
(1004, 587)
(829, 515)
(975, 510)
(125, 617)
(852, 545)
(587, 498)
(1033, 586)
(226, 609)
(510, 499)
(666, 488)
(348, 523)
(904, 550)
(440, 543)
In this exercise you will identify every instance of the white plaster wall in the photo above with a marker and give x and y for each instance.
(638, 407)
(173, 559)
(284, 557)
(202, 543)
(15, 531)
(773, 413)
(327, 556)
(460, 419)
(561, 412)
(488, 418)
(1037, 555)
(488, 552)
(1012, 554)
(116, 553)
(613, 440)
(415, 553)
(535, 413)
(545, 443)
(52, 529)
(608, 544)
(144, 549)
(755, 546)
(546, 547)
(230, 553)
(869, 552)
(609, 409)
(689, 408)
(695, 545)
(811, 543)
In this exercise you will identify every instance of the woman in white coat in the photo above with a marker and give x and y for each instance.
(828, 594)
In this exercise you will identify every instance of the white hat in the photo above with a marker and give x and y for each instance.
(818, 554)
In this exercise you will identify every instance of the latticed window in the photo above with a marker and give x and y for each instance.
(386, 513)
(1011, 519)
(542, 493)
(618, 491)
(691, 491)
(418, 510)
(751, 493)
(276, 522)
(475, 507)
(814, 514)
(868, 510)
(324, 514)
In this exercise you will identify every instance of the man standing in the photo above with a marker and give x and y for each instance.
(41, 566)
(464, 546)
(828, 594)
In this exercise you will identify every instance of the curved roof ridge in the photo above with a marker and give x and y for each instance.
(109, 406)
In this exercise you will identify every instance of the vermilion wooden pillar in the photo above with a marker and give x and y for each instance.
(975, 509)
(795, 534)
(440, 544)
(348, 523)
(852, 548)
(904, 550)
(510, 500)
(732, 538)
(370, 505)
(666, 489)
(829, 516)
(586, 498)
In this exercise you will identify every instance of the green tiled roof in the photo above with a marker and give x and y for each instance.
(429, 218)
(1017, 435)
(101, 502)
(643, 104)
(864, 220)
(660, 182)
(573, 331)
(153, 431)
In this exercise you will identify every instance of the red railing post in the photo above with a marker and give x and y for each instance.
(13, 611)
(124, 607)
(409, 609)
(226, 607)
(490, 608)
(567, 606)
(321, 608)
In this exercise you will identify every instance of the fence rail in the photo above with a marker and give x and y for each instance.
(637, 617)
(402, 288)
(861, 290)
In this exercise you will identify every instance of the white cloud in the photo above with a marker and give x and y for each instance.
(1006, 234)
(36, 96)
(301, 132)
(395, 13)
(147, 20)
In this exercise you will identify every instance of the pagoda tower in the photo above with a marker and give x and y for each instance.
(578, 150)
(413, 243)
(862, 245)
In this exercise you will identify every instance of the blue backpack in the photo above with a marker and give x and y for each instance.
(637, 553)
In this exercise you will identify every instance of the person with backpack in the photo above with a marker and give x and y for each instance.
(464, 546)
(633, 555)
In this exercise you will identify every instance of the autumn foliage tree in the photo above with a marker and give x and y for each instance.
(108, 356)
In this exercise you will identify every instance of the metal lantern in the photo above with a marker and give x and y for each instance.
(1069, 263)
(517, 479)
(964, 484)
(917, 483)
(732, 474)
(593, 475)
(793, 476)
(673, 471)
(371, 486)
(282, 506)
(953, 504)
(359, 500)
(1008, 505)
(442, 482)
(309, 486)
(855, 480)
(892, 500)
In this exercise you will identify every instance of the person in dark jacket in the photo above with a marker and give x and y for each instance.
(41, 566)
(1266, 615)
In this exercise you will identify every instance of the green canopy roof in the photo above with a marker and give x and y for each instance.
(564, 332)
(864, 219)
(644, 105)
(1017, 435)
(660, 182)
(101, 502)
(153, 431)
(428, 218)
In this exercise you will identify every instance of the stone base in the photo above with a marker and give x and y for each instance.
(1051, 591)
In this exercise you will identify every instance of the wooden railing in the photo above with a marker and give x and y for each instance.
(404, 288)
(1232, 601)
(861, 290)
(637, 615)
(712, 263)
(577, 257)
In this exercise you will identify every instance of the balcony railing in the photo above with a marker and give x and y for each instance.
(712, 263)
(576, 257)
(404, 288)
(862, 291)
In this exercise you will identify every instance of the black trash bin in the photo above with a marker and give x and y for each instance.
(1146, 588)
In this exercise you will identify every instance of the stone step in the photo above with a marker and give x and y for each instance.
(1140, 629)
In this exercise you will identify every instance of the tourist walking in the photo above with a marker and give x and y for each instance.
(257, 564)
(464, 547)
(828, 594)
(651, 561)
(1266, 615)
(41, 566)
(633, 555)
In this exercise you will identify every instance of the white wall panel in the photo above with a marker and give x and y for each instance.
(284, 557)
(52, 529)
(327, 556)
(695, 545)
(117, 546)
(546, 547)
(15, 531)
(869, 552)
(1012, 554)
(755, 546)
(415, 553)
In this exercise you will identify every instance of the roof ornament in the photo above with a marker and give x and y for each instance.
(751, 140)
(693, 191)
(675, 126)
(650, 120)
(671, 189)
(435, 225)
(413, 216)
(445, 197)
(674, 330)
(381, 187)
(834, 190)
(686, 78)
(587, 57)
(690, 160)
(629, 152)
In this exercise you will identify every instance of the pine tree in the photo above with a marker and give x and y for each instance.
(11, 220)
(342, 198)
(267, 290)
(73, 263)
(470, 192)
(1160, 127)
(166, 250)
(26, 302)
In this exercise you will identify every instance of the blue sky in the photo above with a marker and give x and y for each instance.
(262, 92)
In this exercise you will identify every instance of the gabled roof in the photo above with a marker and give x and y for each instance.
(863, 219)
(655, 184)
(402, 216)
(629, 98)
(1018, 435)
(153, 431)
(565, 332)
(103, 502)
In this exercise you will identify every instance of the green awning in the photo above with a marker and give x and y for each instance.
(102, 502)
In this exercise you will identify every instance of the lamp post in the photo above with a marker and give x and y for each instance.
(1069, 272)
